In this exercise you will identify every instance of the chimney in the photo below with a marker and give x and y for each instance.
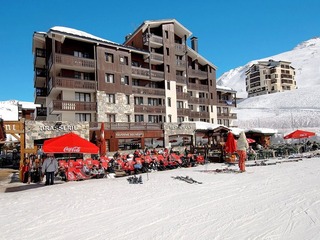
(194, 43)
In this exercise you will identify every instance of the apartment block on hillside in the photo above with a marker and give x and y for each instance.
(271, 76)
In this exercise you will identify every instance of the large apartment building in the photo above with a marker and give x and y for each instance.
(269, 77)
(154, 76)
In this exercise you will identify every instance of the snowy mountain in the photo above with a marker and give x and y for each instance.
(284, 111)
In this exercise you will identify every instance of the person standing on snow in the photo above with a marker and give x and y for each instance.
(242, 146)
(49, 168)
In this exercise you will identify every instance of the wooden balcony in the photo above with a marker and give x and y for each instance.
(156, 58)
(127, 126)
(72, 83)
(180, 49)
(148, 91)
(183, 95)
(198, 87)
(73, 62)
(227, 115)
(144, 73)
(181, 79)
(149, 109)
(199, 114)
(58, 106)
(40, 57)
(197, 73)
(152, 39)
(228, 103)
(41, 113)
(181, 64)
(183, 111)
(195, 100)
(40, 95)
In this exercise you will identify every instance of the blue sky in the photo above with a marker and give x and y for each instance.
(230, 33)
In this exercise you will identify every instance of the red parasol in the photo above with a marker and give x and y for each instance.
(299, 134)
(250, 140)
(102, 141)
(69, 143)
(230, 146)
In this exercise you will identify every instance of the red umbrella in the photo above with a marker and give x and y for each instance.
(69, 143)
(102, 141)
(230, 146)
(299, 134)
(250, 140)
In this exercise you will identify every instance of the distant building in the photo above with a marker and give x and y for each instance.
(226, 102)
(271, 76)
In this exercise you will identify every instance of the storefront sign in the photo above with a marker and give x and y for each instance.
(129, 134)
(58, 127)
(182, 127)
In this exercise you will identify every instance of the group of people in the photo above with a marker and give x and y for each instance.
(34, 169)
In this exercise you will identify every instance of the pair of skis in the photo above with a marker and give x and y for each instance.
(187, 179)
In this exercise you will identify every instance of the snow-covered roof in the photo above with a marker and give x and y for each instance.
(262, 130)
(206, 126)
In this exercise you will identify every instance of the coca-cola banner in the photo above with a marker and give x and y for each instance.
(72, 149)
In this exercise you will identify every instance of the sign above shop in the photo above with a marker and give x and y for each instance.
(58, 127)
(129, 134)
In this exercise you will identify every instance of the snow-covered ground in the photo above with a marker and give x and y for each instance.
(279, 201)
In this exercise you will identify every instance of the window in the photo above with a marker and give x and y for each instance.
(110, 98)
(138, 118)
(82, 97)
(202, 95)
(125, 80)
(180, 119)
(168, 85)
(168, 52)
(83, 117)
(153, 118)
(202, 108)
(109, 57)
(138, 100)
(210, 81)
(179, 104)
(168, 68)
(154, 101)
(128, 118)
(170, 118)
(190, 93)
(81, 54)
(166, 34)
(169, 102)
(128, 99)
(111, 118)
(191, 107)
(109, 78)
(135, 82)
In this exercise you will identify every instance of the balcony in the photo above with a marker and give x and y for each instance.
(154, 40)
(144, 73)
(40, 57)
(229, 103)
(127, 126)
(41, 113)
(72, 83)
(71, 62)
(227, 115)
(148, 91)
(180, 49)
(58, 106)
(195, 100)
(40, 95)
(149, 109)
(198, 87)
(199, 114)
(183, 95)
(40, 75)
(181, 79)
(197, 74)
(181, 64)
(183, 111)
(156, 58)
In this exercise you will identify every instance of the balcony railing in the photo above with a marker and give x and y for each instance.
(183, 95)
(184, 111)
(227, 115)
(181, 63)
(127, 126)
(197, 73)
(61, 105)
(71, 83)
(227, 103)
(148, 91)
(72, 61)
(198, 100)
(149, 109)
(181, 79)
(180, 49)
(198, 87)
(199, 114)
(145, 73)
(154, 39)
